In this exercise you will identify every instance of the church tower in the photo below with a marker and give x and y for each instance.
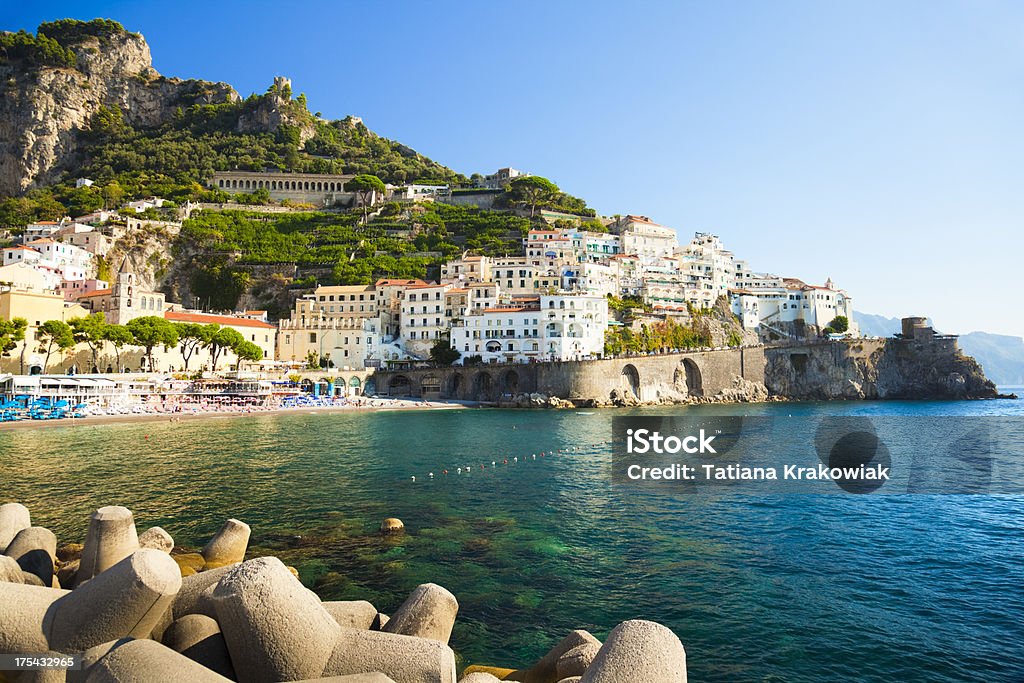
(123, 305)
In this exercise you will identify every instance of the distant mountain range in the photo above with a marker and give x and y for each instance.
(1002, 356)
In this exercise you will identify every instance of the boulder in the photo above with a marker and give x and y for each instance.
(429, 612)
(157, 539)
(69, 552)
(576, 661)
(352, 614)
(111, 538)
(13, 518)
(274, 628)
(228, 546)
(193, 561)
(126, 600)
(35, 549)
(143, 661)
(392, 525)
(198, 637)
(639, 650)
(66, 573)
(406, 659)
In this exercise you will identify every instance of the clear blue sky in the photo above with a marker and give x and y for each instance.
(879, 143)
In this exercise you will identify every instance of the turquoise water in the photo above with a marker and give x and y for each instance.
(759, 588)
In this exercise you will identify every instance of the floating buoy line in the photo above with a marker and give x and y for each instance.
(465, 469)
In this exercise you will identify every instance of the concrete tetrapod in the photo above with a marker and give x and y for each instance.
(144, 661)
(228, 545)
(10, 570)
(354, 678)
(406, 659)
(480, 677)
(196, 593)
(352, 613)
(111, 538)
(275, 629)
(126, 600)
(157, 539)
(546, 669)
(576, 661)
(13, 518)
(198, 637)
(35, 549)
(428, 612)
(640, 651)
(26, 616)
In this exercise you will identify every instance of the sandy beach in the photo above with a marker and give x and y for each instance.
(381, 406)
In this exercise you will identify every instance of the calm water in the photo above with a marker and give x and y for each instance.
(759, 588)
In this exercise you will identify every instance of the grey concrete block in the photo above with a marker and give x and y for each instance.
(157, 539)
(10, 570)
(13, 518)
(126, 600)
(145, 661)
(228, 546)
(25, 614)
(275, 630)
(639, 650)
(35, 549)
(196, 593)
(428, 612)
(406, 659)
(576, 661)
(198, 637)
(546, 669)
(111, 538)
(352, 614)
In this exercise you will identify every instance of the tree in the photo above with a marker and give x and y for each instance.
(151, 331)
(54, 335)
(119, 336)
(840, 323)
(533, 190)
(192, 337)
(113, 193)
(91, 331)
(442, 353)
(246, 350)
(11, 332)
(366, 187)
(223, 338)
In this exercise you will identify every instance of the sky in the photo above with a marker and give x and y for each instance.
(876, 143)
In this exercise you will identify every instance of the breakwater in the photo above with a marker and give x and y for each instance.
(136, 607)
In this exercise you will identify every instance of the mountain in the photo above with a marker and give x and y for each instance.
(82, 98)
(1000, 355)
(876, 325)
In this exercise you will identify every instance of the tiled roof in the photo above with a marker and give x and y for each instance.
(98, 292)
(210, 318)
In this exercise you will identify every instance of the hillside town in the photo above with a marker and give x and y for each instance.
(555, 301)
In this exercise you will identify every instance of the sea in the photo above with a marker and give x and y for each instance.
(523, 522)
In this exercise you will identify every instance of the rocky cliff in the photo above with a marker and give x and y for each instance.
(43, 107)
(876, 369)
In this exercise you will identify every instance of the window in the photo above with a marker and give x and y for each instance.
(312, 337)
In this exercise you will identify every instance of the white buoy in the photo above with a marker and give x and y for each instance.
(458, 470)
(493, 463)
(431, 475)
(414, 478)
(515, 459)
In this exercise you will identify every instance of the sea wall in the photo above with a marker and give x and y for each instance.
(932, 368)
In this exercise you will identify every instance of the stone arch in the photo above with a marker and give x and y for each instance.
(456, 385)
(510, 382)
(694, 381)
(399, 385)
(430, 386)
(629, 380)
(483, 387)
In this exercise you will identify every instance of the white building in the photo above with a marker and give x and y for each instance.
(424, 317)
(776, 309)
(644, 238)
(549, 328)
